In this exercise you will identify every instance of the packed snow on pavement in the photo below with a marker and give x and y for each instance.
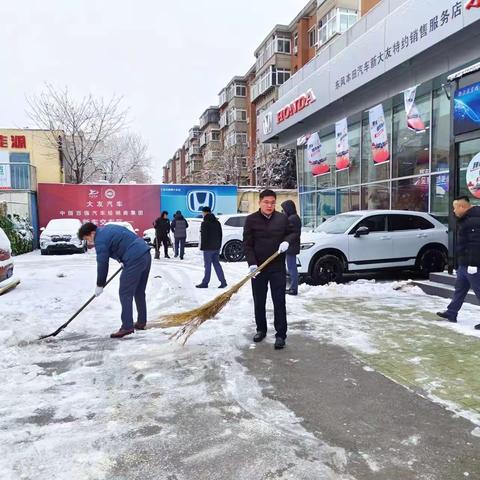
(78, 406)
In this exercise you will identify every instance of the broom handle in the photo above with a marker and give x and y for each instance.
(263, 265)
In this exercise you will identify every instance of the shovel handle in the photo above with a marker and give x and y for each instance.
(85, 305)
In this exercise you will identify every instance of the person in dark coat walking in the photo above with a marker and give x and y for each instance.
(266, 232)
(179, 228)
(468, 256)
(290, 211)
(119, 243)
(162, 229)
(210, 244)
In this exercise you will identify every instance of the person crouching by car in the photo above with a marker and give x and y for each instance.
(162, 229)
(290, 211)
(210, 244)
(179, 228)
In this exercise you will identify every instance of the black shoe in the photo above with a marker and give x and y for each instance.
(166, 256)
(201, 285)
(447, 316)
(259, 336)
(140, 326)
(175, 256)
(279, 343)
(181, 258)
(223, 285)
(157, 257)
(291, 291)
(477, 327)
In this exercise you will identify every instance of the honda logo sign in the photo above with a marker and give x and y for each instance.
(267, 123)
(197, 199)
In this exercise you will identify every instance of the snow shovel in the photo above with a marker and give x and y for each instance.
(85, 305)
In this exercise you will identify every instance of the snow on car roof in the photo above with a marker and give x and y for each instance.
(64, 222)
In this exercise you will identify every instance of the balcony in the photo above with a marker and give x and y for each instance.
(203, 140)
(223, 120)
(18, 176)
(193, 133)
(222, 98)
(211, 115)
(194, 150)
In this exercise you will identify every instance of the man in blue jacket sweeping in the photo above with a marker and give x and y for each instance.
(119, 243)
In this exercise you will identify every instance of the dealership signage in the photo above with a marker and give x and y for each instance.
(296, 106)
(472, 4)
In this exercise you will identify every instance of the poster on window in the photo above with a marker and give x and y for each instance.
(315, 155)
(473, 176)
(378, 135)
(414, 121)
(5, 180)
(342, 147)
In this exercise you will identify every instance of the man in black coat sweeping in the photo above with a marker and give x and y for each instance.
(468, 256)
(210, 244)
(162, 229)
(290, 211)
(266, 232)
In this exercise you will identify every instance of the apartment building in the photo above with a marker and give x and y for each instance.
(233, 127)
(210, 141)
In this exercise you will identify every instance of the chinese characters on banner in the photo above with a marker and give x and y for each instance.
(100, 204)
(16, 141)
(342, 147)
(473, 176)
(378, 135)
(315, 155)
(414, 121)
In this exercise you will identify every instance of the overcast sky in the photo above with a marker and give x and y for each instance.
(168, 59)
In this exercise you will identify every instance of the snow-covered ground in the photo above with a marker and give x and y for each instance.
(81, 406)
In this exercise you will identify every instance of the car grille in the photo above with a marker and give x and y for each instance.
(61, 238)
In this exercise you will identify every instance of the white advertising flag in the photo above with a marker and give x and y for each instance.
(414, 121)
(315, 155)
(378, 135)
(342, 147)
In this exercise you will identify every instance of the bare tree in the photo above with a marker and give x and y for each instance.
(276, 167)
(226, 167)
(77, 127)
(120, 159)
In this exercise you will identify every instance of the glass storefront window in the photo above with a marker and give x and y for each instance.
(411, 194)
(351, 176)
(440, 131)
(466, 151)
(410, 149)
(308, 209)
(375, 196)
(328, 146)
(325, 205)
(439, 203)
(371, 171)
(348, 199)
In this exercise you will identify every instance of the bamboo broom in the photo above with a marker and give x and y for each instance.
(192, 319)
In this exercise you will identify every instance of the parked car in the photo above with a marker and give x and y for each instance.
(372, 240)
(7, 280)
(61, 235)
(124, 224)
(232, 240)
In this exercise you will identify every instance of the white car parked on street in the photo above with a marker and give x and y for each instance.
(124, 224)
(372, 240)
(61, 235)
(232, 238)
(7, 280)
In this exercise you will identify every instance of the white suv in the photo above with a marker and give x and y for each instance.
(61, 235)
(372, 240)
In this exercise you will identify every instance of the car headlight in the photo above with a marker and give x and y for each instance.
(306, 246)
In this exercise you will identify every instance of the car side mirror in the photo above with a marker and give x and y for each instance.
(362, 231)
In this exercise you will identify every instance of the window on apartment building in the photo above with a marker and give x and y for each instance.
(240, 115)
(230, 140)
(295, 42)
(215, 135)
(230, 116)
(337, 20)
(241, 138)
(280, 76)
(283, 45)
(312, 37)
(240, 91)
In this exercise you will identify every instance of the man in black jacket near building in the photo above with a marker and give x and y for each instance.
(179, 228)
(290, 211)
(468, 256)
(210, 244)
(266, 232)
(162, 229)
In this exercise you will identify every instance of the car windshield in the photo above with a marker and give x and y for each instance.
(63, 224)
(338, 224)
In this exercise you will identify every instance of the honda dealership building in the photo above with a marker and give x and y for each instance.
(388, 115)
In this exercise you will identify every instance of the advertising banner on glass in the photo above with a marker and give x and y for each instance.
(378, 135)
(473, 176)
(5, 180)
(137, 204)
(342, 147)
(190, 199)
(414, 121)
(466, 115)
(315, 155)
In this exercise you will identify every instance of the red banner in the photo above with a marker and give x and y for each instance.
(137, 204)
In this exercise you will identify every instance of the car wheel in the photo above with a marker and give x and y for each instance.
(431, 260)
(43, 252)
(233, 251)
(328, 268)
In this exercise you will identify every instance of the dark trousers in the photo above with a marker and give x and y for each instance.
(278, 283)
(133, 283)
(180, 246)
(212, 257)
(292, 270)
(464, 282)
(158, 242)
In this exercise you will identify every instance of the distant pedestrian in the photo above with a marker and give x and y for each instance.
(295, 224)
(210, 244)
(179, 228)
(266, 232)
(119, 243)
(162, 229)
(468, 256)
